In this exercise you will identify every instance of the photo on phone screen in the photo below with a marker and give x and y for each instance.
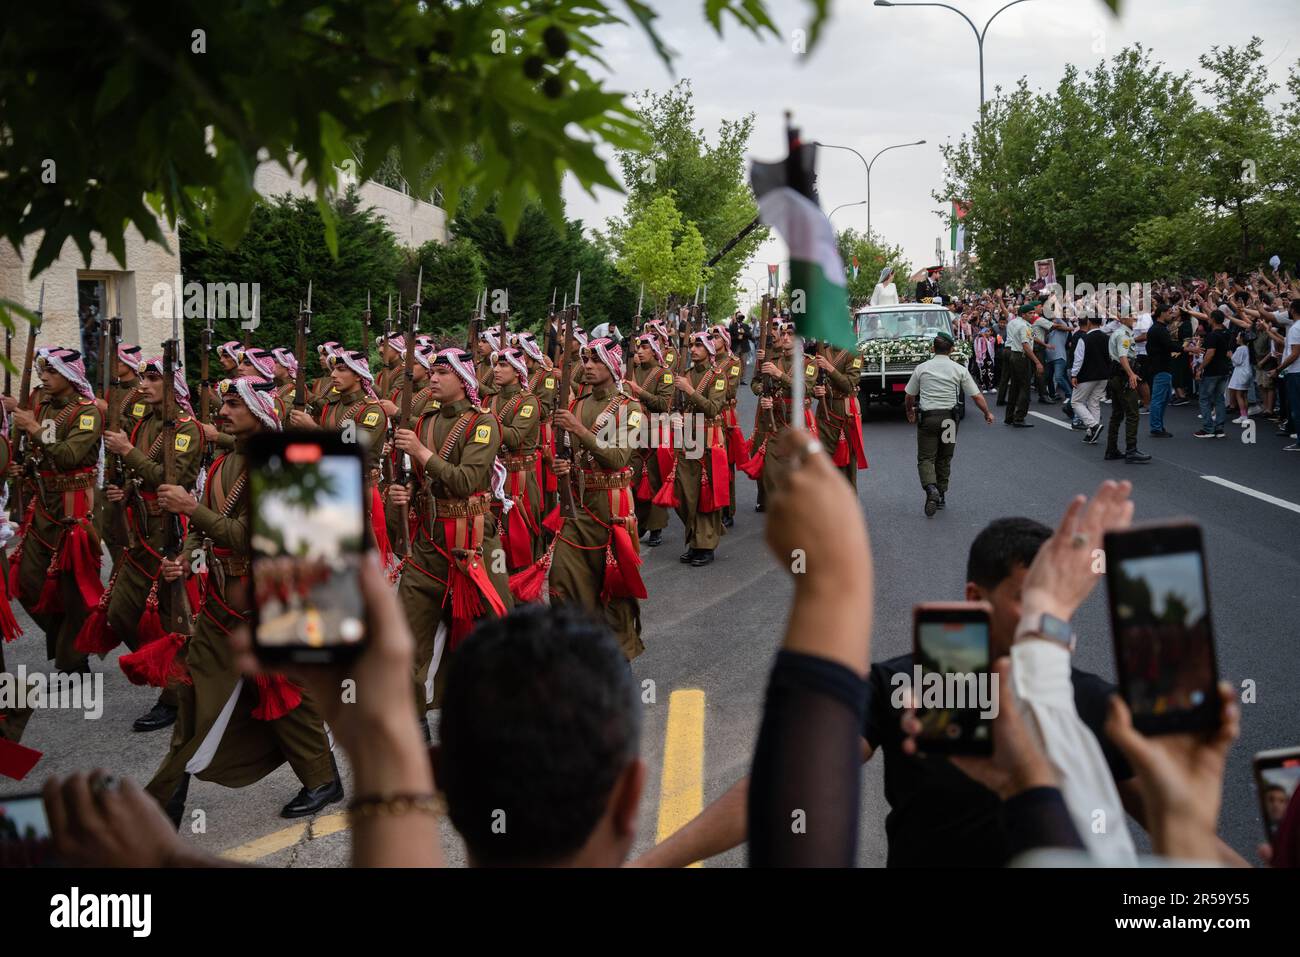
(952, 666)
(24, 832)
(308, 539)
(1277, 775)
(1160, 617)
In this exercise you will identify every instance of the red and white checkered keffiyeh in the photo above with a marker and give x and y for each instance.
(128, 355)
(516, 359)
(178, 381)
(233, 349)
(460, 363)
(359, 364)
(652, 341)
(610, 354)
(69, 364)
(258, 395)
(704, 339)
(261, 360)
(528, 343)
(287, 359)
(721, 332)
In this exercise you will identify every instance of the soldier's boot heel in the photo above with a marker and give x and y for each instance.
(175, 806)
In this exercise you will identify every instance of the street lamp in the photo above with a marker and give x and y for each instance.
(868, 168)
(861, 202)
(979, 35)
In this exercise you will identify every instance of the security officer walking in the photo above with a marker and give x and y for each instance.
(1020, 356)
(1123, 392)
(937, 385)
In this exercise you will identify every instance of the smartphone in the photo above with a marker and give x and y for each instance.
(1160, 619)
(952, 679)
(24, 832)
(309, 537)
(1277, 774)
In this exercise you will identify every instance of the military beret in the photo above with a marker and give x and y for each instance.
(1027, 307)
(945, 337)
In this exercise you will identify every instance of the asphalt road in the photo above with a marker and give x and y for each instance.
(714, 630)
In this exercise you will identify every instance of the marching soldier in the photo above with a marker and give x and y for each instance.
(595, 557)
(651, 384)
(391, 353)
(286, 376)
(700, 481)
(519, 415)
(321, 390)
(733, 367)
(839, 417)
(573, 361)
(125, 393)
(451, 578)
(937, 386)
(489, 343)
(233, 730)
(776, 412)
(132, 608)
(351, 403)
(55, 571)
(542, 382)
(12, 720)
(256, 362)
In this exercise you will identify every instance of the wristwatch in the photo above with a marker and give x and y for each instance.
(1049, 627)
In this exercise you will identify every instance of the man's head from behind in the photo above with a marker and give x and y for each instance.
(995, 571)
(540, 738)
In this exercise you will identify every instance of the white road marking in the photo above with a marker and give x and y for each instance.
(1048, 418)
(1244, 490)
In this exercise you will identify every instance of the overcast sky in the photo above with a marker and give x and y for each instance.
(884, 76)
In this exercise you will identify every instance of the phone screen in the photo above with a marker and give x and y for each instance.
(1160, 613)
(24, 832)
(952, 655)
(308, 539)
(1277, 776)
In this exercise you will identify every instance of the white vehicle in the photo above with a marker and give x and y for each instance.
(893, 341)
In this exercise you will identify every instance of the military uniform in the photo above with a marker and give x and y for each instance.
(109, 516)
(1019, 332)
(839, 418)
(595, 558)
(732, 367)
(1124, 400)
(233, 730)
(389, 379)
(938, 384)
(701, 481)
(55, 572)
(371, 425)
(650, 464)
(765, 465)
(519, 415)
(455, 540)
(12, 720)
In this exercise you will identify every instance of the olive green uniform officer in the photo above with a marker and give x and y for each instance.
(542, 382)
(704, 387)
(12, 720)
(122, 393)
(452, 577)
(595, 555)
(133, 592)
(731, 367)
(1123, 391)
(58, 556)
(837, 411)
(227, 731)
(937, 386)
(1042, 327)
(775, 412)
(1020, 358)
(651, 384)
(519, 414)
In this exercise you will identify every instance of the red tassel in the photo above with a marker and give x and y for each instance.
(737, 447)
(554, 522)
(9, 627)
(79, 558)
(96, 636)
(15, 584)
(719, 485)
(277, 696)
(157, 663)
(526, 585)
(644, 491)
(622, 580)
(519, 540)
(855, 433)
(666, 497)
(753, 466)
(48, 602)
(150, 623)
(841, 457)
(379, 526)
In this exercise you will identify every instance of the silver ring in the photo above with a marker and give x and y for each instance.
(108, 782)
(812, 448)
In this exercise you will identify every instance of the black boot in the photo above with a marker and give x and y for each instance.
(656, 538)
(310, 800)
(931, 500)
(703, 556)
(687, 556)
(159, 716)
(175, 806)
(728, 521)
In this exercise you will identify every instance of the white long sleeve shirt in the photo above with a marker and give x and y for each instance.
(884, 295)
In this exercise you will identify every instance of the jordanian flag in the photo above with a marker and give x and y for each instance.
(819, 302)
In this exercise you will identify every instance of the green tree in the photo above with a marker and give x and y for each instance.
(872, 258)
(453, 278)
(659, 249)
(708, 182)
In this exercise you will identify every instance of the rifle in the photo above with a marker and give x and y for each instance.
(568, 506)
(113, 463)
(386, 460)
(174, 535)
(25, 402)
(551, 328)
(640, 299)
(300, 352)
(365, 329)
(765, 331)
(403, 476)
(504, 324)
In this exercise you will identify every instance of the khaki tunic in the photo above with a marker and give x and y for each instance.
(75, 449)
(248, 749)
(703, 529)
(578, 563)
(519, 414)
(109, 516)
(732, 367)
(833, 415)
(774, 466)
(465, 473)
(656, 400)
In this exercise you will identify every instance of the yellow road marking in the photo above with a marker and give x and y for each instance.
(287, 837)
(681, 787)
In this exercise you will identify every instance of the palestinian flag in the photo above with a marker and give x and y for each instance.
(816, 270)
(957, 240)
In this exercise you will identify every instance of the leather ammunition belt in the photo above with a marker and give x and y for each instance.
(461, 507)
(599, 481)
(522, 462)
(67, 482)
(235, 566)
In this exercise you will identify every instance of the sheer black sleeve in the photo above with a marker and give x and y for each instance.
(1038, 818)
(804, 788)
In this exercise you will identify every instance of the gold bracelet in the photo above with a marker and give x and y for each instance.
(396, 805)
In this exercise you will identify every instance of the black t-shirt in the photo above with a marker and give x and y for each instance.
(938, 816)
(1221, 343)
(1159, 348)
